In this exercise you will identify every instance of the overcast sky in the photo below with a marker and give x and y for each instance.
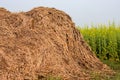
(81, 11)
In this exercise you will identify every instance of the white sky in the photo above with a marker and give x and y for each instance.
(81, 11)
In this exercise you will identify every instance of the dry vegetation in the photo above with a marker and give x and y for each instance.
(43, 42)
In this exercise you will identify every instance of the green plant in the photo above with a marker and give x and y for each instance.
(104, 40)
(53, 78)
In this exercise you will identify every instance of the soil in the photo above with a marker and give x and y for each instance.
(44, 42)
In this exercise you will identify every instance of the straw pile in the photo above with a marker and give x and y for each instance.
(43, 42)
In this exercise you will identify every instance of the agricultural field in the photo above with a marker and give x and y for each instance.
(105, 42)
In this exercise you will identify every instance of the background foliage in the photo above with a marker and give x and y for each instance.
(104, 40)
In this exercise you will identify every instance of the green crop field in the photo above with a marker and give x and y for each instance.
(105, 42)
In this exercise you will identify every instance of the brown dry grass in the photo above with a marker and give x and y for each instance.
(42, 42)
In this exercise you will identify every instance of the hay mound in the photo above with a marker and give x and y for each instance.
(43, 42)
